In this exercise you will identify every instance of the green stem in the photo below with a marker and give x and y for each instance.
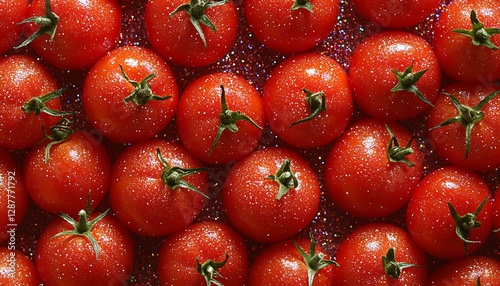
(396, 153)
(142, 93)
(317, 104)
(47, 23)
(302, 4)
(391, 266)
(209, 270)
(407, 81)
(479, 35)
(285, 178)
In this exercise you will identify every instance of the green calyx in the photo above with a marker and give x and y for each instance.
(47, 23)
(391, 266)
(317, 104)
(314, 261)
(302, 4)
(196, 11)
(285, 178)
(209, 270)
(407, 80)
(173, 177)
(142, 90)
(38, 105)
(480, 35)
(467, 116)
(396, 153)
(58, 134)
(465, 223)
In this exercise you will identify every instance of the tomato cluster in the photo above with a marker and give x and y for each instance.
(320, 142)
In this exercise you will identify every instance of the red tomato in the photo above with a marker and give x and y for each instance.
(361, 257)
(308, 87)
(200, 117)
(12, 12)
(464, 58)
(152, 199)
(79, 33)
(271, 194)
(429, 214)
(359, 173)
(148, 83)
(401, 81)
(23, 78)
(479, 150)
(172, 33)
(283, 27)
(496, 214)
(17, 268)
(472, 270)
(203, 245)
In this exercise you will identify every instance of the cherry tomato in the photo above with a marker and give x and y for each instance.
(401, 81)
(472, 270)
(132, 104)
(192, 33)
(291, 26)
(449, 207)
(17, 268)
(367, 165)
(203, 253)
(157, 187)
(12, 12)
(271, 194)
(220, 104)
(307, 100)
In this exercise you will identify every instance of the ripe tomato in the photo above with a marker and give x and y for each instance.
(134, 104)
(79, 33)
(203, 253)
(472, 270)
(462, 58)
(309, 87)
(191, 33)
(23, 78)
(401, 81)
(360, 255)
(429, 215)
(17, 268)
(366, 166)
(204, 113)
(271, 194)
(470, 139)
(283, 26)
(496, 214)
(151, 198)
(12, 12)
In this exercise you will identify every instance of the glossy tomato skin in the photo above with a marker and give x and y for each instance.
(284, 100)
(77, 43)
(203, 241)
(140, 198)
(176, 39)
(459, 58)
(449, 141)
(281, 264)
(428, 216)
(372, 77)
(360, 256)
(282, 29)
(17, 269)
(198, 119)
(12, 12)
(22, 78)
(359, 176)
(105, 89)
(466, 271)
(76, 166)
(250, 199)
(71, 260)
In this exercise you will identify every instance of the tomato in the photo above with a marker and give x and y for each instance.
(219, 118)
(473, 56)
(192, 33)
(464, 126)
(496, 214)
(401, 81)
(155, 198)
(367, 165)
(395, 13)
(17, 268)
(75, 34)
(291, 26)
(74, 166)
(472, 270)
(134, 104)
(12, 12)
(203, 253)
(271, 194)
(23, 78)
(430, 214)
(308, 94)
(380, 254)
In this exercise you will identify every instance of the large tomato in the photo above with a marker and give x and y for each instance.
(472, 270)
(12, 12)
(17, 268)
